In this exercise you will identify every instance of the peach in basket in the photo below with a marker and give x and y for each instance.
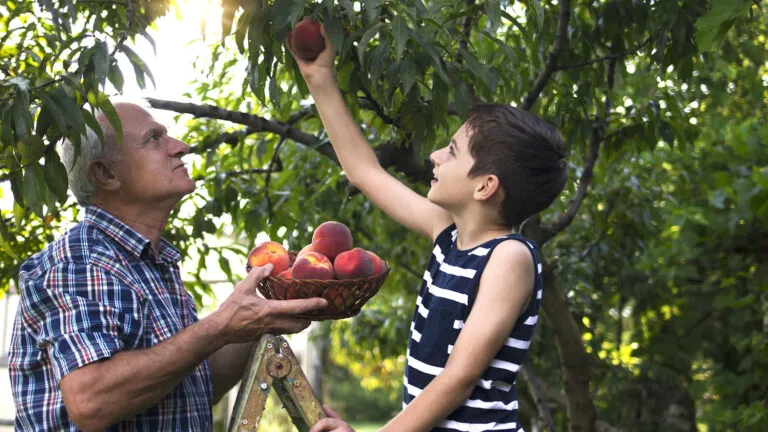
(345, 296)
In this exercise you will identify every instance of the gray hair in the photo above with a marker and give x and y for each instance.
(91, 149)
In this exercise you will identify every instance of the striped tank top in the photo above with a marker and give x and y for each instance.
(445, 299)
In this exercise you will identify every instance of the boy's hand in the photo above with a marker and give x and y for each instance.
(317, 72)
(332, 423)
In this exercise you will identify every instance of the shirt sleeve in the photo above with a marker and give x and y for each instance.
(81, 314)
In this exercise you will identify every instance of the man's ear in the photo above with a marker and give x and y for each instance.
(487, 188)
(102, 175)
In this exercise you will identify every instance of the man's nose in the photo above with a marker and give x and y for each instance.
(179, 148)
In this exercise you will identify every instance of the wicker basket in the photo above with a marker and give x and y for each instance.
(345, 297)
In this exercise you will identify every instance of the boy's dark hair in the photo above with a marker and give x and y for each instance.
(523, 151)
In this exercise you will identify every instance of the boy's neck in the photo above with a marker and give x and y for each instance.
(473, 232)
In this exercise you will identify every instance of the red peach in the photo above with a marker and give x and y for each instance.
(307, 39)
(378, 264)
(269, 252)
(305, 249)
(331, 238)
(286, 274)
(313, 265)
(353, 264)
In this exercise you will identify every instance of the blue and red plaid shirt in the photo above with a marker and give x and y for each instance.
(98, 290)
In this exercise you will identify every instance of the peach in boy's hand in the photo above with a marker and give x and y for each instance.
(307, 39)
(313, 265)
(331, 238)
(269, 252)
(353, 264)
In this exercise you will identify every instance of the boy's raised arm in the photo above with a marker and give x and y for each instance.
(357, 157)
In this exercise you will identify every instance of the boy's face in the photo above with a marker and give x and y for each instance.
(452, 188)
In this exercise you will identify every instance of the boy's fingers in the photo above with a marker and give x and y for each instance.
(330, 413)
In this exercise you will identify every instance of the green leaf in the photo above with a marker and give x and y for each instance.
(363, 43)
(400, 32)
(116, 76)
(334, 28)
(140, 68)
(407, 74)
(22, 120)
(228, 9)
(5, 242)
(56, 176)
(105, 105)
(54, 111)
(462, 99)
(93, 124)
(18, 215)
(224, 264)
(372, 8)
(713, 26)
(493, 11)
(100, 59)
(34, 188)
(69, 110)
(349, 9)
(31, 149)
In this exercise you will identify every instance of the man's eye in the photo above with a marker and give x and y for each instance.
(450, 150)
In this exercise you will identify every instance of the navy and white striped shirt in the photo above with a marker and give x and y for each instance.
(98, 290)
(445, 299)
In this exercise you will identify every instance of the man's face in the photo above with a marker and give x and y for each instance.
(452, 188)
(149, 165)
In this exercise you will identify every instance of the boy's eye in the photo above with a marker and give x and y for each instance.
(451, 152)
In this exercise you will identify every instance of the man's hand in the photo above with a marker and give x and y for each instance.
(246, 316)
(332, 423)
(318, 72)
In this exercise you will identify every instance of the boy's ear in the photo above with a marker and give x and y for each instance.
(102, 175)
(487, 188)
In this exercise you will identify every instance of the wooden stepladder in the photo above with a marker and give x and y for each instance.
(273, 365)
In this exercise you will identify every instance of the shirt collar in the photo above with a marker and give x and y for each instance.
(126, 236)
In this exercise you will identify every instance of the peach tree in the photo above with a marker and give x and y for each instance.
(656, 286)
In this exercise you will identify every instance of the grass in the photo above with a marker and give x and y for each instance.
(367, 427)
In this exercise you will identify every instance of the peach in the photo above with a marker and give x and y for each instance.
(269, 252)
(313, 265)
(378, 264)
(305, 249)
(353, 264)
(331, 238)
(307, 40)
(286, 274)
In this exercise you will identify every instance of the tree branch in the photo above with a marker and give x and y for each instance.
(259, 124)
(130, 11)
(275, 159)
(598, 134)
(604, 58)
(237, 173)
(389, 155)
(561, 39)
(534, 387)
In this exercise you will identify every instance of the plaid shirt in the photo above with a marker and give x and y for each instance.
(98, 290)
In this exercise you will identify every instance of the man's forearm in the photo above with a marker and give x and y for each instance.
(103, 393)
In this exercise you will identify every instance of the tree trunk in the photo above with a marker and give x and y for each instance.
(574, 360)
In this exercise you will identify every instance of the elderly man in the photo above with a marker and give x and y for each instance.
(105, 336)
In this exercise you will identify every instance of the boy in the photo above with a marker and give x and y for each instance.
(479, 300)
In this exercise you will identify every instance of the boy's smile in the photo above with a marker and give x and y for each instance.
(451, 187)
